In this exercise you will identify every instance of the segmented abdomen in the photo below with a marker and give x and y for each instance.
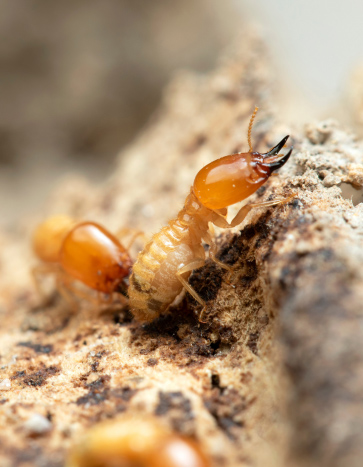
(154, 283)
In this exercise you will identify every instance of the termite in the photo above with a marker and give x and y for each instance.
(81, 251)
(135, 442)
(163, 267)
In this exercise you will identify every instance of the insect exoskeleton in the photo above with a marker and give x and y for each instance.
(81, 251)
(163, 267)
(135, 442)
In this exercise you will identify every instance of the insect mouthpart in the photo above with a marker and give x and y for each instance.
(276, 149)
(270, 161)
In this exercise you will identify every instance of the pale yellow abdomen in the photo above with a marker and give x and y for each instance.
(154, 283)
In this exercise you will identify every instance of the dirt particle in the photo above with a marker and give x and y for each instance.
(37, 378)
(216, 382)
(250, 273)
(18, 374)
(37, 425)
(125, 393)
(227, 407)
(99, 391)
(38, 348)
(178, 408)
(261, 190)
(152, 362)
(207, 281)
(122, 317)
(201, 347)
(95, 365)
(253, 341)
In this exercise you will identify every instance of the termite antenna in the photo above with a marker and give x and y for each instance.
(250, 129)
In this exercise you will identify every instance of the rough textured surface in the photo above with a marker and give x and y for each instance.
(274, 377)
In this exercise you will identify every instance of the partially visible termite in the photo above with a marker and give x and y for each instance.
(81, 251)
(135, 442)
(163, 267)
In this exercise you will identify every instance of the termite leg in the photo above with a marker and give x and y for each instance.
(42, 270)
(201, 314)
(198, 263)
(70, 291)
(124, 232)
(63, 287)
(220, 221)
(212, 254)
(242, 213)
(108, 299)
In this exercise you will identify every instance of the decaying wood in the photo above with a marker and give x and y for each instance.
(275, 377)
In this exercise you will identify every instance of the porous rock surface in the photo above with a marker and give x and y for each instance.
(275, 375)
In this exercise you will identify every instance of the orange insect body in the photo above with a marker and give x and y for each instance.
(95, 257)
(161, 269)
(230, 179)
(83, 251)
(135, 442)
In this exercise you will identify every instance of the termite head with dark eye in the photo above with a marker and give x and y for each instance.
(233, 178)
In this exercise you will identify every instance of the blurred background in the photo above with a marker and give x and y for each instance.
(79, 78)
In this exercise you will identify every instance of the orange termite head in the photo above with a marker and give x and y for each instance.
(234, 178)
(49, 235)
